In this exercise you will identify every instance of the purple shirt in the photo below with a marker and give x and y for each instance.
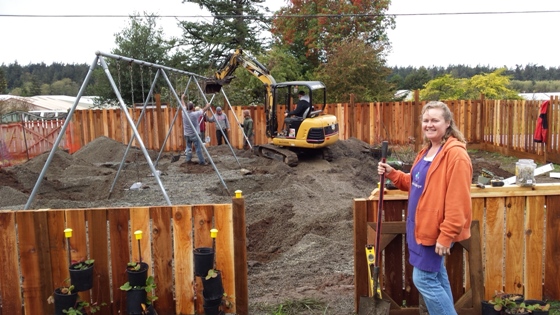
(422, 257)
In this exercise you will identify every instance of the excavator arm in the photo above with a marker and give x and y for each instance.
(224, 75)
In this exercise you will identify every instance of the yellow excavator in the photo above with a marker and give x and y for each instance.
(312, 133)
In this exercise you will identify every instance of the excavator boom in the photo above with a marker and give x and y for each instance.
(313, 131)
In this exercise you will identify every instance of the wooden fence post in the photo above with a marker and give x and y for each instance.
(352, 118)
(415, 126)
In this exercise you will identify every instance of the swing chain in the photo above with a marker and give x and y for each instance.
(142, 82)
(119, 74)
(131, 85)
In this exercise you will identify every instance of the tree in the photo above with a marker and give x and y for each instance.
(416, 79)
(64, 87)
(445, 87)
(493, 85)
(312, 28)
(235, 24)
(141, 40)
(355, 67)
(3, 83)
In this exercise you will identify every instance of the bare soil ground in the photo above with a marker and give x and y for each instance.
(299, 220)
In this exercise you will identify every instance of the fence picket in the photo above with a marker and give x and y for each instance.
(534, 226)
(183, 249)
(552, 253)
(162, 257)
(515, 214)
(9, 282)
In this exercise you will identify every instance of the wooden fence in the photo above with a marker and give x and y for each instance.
(519, 229)
(500, 126)
(35, 257)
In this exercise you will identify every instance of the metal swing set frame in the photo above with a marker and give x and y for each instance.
(161, 70)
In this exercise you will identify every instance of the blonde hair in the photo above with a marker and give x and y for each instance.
(452, 130)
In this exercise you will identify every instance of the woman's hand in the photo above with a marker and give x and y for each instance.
(384, 168)
(442, 250)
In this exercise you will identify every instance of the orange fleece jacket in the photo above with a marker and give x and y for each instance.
(443, 213)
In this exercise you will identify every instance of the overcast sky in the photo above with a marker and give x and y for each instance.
(423, 36)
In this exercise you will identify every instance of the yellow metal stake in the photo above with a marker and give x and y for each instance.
(213, 235)
(68, 235)
(138, 235)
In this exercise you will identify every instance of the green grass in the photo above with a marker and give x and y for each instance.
(293, 307)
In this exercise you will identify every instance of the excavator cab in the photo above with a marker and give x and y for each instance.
(313, 129)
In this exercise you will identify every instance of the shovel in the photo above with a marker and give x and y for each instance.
(376, 305)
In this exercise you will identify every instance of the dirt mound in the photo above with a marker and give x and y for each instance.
(299, 219)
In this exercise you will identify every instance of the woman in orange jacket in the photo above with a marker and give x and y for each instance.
(439, 204)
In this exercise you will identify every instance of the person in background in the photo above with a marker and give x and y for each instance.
(302, 106)
(222, 125)
(192, 135)
(439, 204)
(247, 129)
(201, 124)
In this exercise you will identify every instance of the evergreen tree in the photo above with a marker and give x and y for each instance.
(416, 79)
(234, 24)
(3, 83)
(142, 40)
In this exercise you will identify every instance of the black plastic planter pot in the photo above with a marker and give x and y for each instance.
(63, 301)
(488, 309)
(137, 278)
(134, 300)
(213, 288)
(214, 302)
(212, 310)
(539, 302)
(203, 261)
(82, 280)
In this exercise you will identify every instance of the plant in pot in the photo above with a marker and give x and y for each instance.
(537, 307)
(81, 275)
(376, 151)
(405, 155)
(84, 307)
(516, 309)
(139, 287)
(137, 273)
(499, 302)
(139, 299)
(213, 290)
(63, 298)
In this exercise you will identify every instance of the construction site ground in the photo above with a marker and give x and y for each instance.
(299, 219)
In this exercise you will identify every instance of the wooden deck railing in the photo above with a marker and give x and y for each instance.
(35, 257)
(519, 232)
(500, 126)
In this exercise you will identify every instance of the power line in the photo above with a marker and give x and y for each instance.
(270, 16)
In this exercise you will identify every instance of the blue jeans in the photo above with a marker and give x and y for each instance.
(435, 288)
(190, 141)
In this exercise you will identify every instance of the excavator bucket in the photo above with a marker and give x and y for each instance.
(213, 86)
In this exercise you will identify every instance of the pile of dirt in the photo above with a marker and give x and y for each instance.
(299, 219)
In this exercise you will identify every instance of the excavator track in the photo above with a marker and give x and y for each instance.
(271, 151)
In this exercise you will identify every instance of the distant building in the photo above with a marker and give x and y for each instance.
(42, 107)
(539, 96)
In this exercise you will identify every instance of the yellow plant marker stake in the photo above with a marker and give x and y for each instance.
(213, 235)
(138, 236)
(68, 235)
